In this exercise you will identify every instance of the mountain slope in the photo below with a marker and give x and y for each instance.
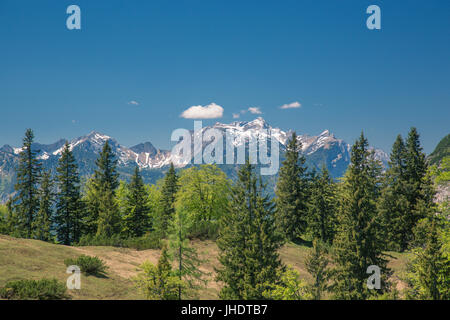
(442, 150)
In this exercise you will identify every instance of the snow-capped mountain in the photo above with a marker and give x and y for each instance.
(322, 149)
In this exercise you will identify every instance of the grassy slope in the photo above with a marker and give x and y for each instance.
(31, 259)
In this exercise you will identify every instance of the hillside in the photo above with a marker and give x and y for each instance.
(442, 150)
(33, 259)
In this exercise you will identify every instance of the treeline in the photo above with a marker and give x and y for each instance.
(350, 223)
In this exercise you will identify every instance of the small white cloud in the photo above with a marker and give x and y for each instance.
(210, 111)
(74, 121)
(292, 105)
(254, 110)
(133, 102)
(236, 115)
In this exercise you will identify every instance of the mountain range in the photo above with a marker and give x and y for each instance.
(321, 149)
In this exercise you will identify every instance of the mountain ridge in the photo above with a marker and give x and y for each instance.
(323, 148)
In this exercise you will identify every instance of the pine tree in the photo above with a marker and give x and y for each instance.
(43, 221)
(292, 192)
(428, 274)
(167, 202)
(104, 216)
(419, 187)
(159, 282)
(316, 264)
(393, 204)
(69, 207)
(248, 241)
(321, 215)
(137, 218)
(26, 201)
(186, 257)
(358, 243)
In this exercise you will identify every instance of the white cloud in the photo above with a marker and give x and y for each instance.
(133, 102)
(292, 105)
(254, 110)
(236, 115)
(211, 111)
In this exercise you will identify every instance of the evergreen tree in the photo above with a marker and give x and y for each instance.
(292, 192)
(321, 216)
(419, 187)
(393, 205)
(248, 241)
(69, 207)
(137, 218)
(26, 201)
(358, 243)
(316, 264)
(186, 257)
(104, 216)
(167, 202)
(43, 221)
(159, 282)
(428, 274)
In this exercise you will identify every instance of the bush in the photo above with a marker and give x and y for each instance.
(44, 289)
(149, 241)
(88, 265)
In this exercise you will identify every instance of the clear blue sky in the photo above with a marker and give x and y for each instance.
(170, 55)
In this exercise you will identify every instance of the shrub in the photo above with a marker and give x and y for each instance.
(44, 289)
(88, 265)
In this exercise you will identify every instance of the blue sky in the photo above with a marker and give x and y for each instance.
(171, 55)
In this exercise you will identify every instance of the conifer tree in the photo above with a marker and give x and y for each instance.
(393, 205)
(292, 192)
(248, 241)
(321, 215)
(419, 186)
(43, 221)
(186, 257)
(317, 266)
(137, 218)
(357, 244)
(167, 202)
(104, 216)
(159, 282)
(69, 207)
(428, 275)
(26, 201)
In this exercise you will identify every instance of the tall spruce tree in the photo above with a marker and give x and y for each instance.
(26, 201)
(248, 241)
(167, 202)
(321, 215)
(357, 244)
(104, 216)
(69, 208)
(419, 186)
(43, 221)
(137, 217)
(292, 192)
(393, 205)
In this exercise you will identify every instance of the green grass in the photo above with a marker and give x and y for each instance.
(32, 259)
